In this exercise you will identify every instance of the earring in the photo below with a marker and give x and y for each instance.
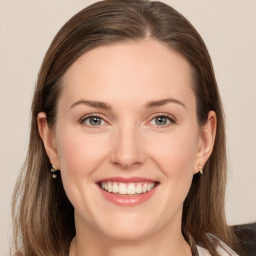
(200, 169)
(54, 171)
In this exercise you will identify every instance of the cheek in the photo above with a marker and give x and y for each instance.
(79, 154)
(176, 154)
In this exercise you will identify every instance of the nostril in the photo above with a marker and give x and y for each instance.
(127, 149)
(126, 159)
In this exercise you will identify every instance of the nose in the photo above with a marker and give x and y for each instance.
(128, 151)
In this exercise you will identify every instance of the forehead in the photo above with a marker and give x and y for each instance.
(129, 70)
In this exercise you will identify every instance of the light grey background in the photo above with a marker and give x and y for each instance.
(228, 28)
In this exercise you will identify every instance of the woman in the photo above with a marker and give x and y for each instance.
(127, 145)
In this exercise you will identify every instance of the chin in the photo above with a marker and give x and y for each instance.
(128, 234)
(127, 228)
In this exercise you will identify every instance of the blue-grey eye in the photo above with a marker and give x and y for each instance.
(160, 120)
(94, 121)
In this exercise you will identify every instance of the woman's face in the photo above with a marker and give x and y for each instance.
(126, 140)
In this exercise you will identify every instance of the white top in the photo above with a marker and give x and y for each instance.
(222, 249)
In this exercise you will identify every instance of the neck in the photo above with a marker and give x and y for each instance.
(161, 244)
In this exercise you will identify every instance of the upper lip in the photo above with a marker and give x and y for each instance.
(126, 179)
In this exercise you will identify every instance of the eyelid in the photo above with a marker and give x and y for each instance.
(172, 119)
(82, 119)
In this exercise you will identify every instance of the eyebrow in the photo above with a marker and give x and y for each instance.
(103, 105)
(91, 103)
(162, 102)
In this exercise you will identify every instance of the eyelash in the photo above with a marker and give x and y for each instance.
(170, 118)
(83, 120)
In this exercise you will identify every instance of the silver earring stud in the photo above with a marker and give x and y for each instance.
(200, 169)
(54, 172)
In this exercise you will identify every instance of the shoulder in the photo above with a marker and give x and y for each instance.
(222, 249)
(246, 234)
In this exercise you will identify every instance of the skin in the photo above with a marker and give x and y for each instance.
(128, 142)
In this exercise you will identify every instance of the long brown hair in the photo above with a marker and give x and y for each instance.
(43, 216)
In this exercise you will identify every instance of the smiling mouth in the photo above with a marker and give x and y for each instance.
(127, 189)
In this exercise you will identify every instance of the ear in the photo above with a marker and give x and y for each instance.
(206, 141)
(48, 138)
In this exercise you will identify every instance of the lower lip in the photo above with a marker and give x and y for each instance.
(127, 200)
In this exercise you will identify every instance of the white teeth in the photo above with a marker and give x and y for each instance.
(139, 189)
(145, 188)
(115, 188)
(109, 187)
(131, 189)
(122, 189)
(150, 186)
(127, 188)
